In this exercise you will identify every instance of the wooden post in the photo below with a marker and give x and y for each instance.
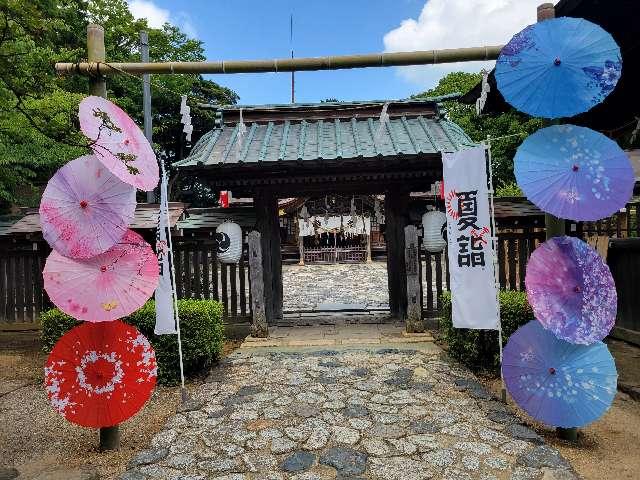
(267, 223)
(369, 247)
(96, 53)
(396, 204)
(414, 298)
(109, 436)
(301, 249)
(259, 326)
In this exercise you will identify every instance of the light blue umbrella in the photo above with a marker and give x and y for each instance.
(558, 68)
(556, 382)
(574, 173)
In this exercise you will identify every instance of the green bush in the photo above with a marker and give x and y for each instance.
(201, 329)
(478, 349)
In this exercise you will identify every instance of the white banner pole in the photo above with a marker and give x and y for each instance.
(496, 266)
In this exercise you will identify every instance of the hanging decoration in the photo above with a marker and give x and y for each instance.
(223, 199)
(557, 382)
(304, 213)
(105, 287)
(100, 374)
(571, 290)
(118, 143)
(85, 209)
(377, 212)
(229, 242)
(185, 119)
(486, 88)
(574, 173)
(382, 122)
(570, 63)
(434, 226)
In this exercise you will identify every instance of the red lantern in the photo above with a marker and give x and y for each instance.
(224, 198)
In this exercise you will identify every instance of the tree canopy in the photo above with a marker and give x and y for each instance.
(479, 127)
(38, 111)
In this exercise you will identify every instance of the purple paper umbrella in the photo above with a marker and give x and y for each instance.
(571, 290)
(85, 209)
(557, 382)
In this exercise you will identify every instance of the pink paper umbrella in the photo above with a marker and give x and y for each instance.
(85, 209)
(119, 143)
(105, 287)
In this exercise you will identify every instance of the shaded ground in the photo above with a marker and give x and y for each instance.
(361, 413)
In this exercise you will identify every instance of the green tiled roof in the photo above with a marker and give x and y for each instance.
(330, 139)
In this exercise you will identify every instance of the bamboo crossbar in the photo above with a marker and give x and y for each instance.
(426, 57)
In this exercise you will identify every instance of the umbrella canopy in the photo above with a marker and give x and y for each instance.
(85, 209)
(558, 68)
(556, 382)
(571, 290)
(105, 287)
(119, 143)
(574, 173)
(100, 374)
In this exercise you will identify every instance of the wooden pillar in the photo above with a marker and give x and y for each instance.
(396, 205)
(414, 292)
(369, 247)
(301, 248)
(109, 436)
(259, 325)
(96, 53)
(267, 223)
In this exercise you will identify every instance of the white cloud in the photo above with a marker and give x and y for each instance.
(157, 16)
(457, 24)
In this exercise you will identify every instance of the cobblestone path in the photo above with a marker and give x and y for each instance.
(356, 414)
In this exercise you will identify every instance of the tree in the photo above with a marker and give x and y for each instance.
(38, 111)
(479, 127)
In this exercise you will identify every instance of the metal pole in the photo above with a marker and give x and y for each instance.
(146, 100)
(289, 64)
(109, 436)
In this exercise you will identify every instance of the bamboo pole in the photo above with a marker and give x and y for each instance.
(96, 53)
(426, 57)
(109, 436)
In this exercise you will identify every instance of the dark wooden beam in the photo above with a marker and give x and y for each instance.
(267, 223)
(396, 205)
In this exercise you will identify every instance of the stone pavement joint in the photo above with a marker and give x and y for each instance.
(380, 412)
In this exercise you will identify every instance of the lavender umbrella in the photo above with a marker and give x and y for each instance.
(557, 382)
(574, 172)
(85, 209)
(571, 290)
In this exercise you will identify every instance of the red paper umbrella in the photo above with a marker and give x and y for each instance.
(100, 374)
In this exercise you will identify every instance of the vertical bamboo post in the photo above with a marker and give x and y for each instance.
(109, 436)
(554, 226)
(96, 53)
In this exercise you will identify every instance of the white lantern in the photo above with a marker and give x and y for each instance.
(229, 238)
(434, 226)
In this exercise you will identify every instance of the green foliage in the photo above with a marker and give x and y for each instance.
(200, 324)
(479, 127)
(38, 121)
(478, 349)
(509, 190)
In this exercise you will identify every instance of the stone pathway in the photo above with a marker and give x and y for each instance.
(350, 414)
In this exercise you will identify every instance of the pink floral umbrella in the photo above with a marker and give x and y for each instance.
(105, 287)
(85, 209)
(119, 143)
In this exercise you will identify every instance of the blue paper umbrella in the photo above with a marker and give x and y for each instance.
(557, 382)
(558, 68)
(574, 173)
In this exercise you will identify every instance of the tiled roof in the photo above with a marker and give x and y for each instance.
(345, 133)
(146, 217)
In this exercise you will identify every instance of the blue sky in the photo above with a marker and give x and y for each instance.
(250, 29)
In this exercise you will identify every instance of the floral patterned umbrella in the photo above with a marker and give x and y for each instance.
(105, 287)
(85, 209)
(100, 374)
(571, 290)
(119, 143)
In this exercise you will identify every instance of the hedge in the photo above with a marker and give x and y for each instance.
(478, 349)
(201, 328)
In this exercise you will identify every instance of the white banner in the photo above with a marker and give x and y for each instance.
(471, 255)
(165, 315)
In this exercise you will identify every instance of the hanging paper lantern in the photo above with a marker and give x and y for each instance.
(434, 224)
(229, 238)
